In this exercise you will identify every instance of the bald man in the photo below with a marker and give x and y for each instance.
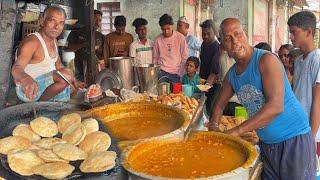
(261, 85)
(37, 62)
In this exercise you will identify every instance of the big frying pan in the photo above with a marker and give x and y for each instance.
(23, 113)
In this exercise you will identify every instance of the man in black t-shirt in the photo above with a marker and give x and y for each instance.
(209, 56)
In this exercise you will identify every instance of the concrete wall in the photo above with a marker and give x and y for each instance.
(152, 10)
(230, 8)
(261, 18)
(7, 28)
(281, 28)
(189, 12)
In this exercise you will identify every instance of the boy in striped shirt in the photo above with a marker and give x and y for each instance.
(141, 49)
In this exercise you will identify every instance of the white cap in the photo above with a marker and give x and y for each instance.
(183, 19)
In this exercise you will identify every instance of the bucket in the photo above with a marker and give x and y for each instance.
(147, 75)
(123, 67)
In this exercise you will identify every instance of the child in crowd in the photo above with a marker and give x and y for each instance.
(293, 55)
(192, 77)
(283, 54)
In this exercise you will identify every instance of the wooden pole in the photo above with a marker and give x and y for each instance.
(83, 11)
(92, 59)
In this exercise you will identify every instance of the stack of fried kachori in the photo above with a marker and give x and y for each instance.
(36, 150)
(74, 134)
(10, 143)
(69, 152)
(67, 120)
(95, 142)
(91, 125)
(99, 162)
(185, 103)
(48, 143)
(55, 170)
(49, 156)
(23, 161)
(229, 122)
(44, 127)
(25, 130)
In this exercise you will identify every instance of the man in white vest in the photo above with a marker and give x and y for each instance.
(37, 62)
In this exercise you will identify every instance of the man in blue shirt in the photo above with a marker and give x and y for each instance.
(194, 44)
(261, 85)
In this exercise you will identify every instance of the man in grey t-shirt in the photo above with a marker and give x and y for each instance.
(226, 62)
(307, 66)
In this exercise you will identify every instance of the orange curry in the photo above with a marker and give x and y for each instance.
(133, 128)
(198, 157)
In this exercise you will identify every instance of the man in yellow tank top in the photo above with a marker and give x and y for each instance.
(37, 62)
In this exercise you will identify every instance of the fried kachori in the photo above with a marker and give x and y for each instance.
(47, 143)
(10, 143)
(34, 148)
(98, 162)
(67, 120)
(95, 142)
(49, 156)
(23, 161)
(25, 130)
(29, 154)
(229, 122)
(56, 170)
(44, 127)
(69, 152)
(91, 125)
(74, 134)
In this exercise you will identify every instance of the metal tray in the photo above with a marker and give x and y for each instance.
(23, 113)
(108, 79)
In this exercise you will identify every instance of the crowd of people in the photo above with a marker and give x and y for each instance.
(281, 92)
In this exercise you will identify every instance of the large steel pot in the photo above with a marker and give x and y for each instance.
(240, 173)
(123, 67)
(152, 110)
(147, 75)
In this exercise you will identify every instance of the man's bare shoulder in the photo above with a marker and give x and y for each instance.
(269, 57)
(30, 42)
(269, 60)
